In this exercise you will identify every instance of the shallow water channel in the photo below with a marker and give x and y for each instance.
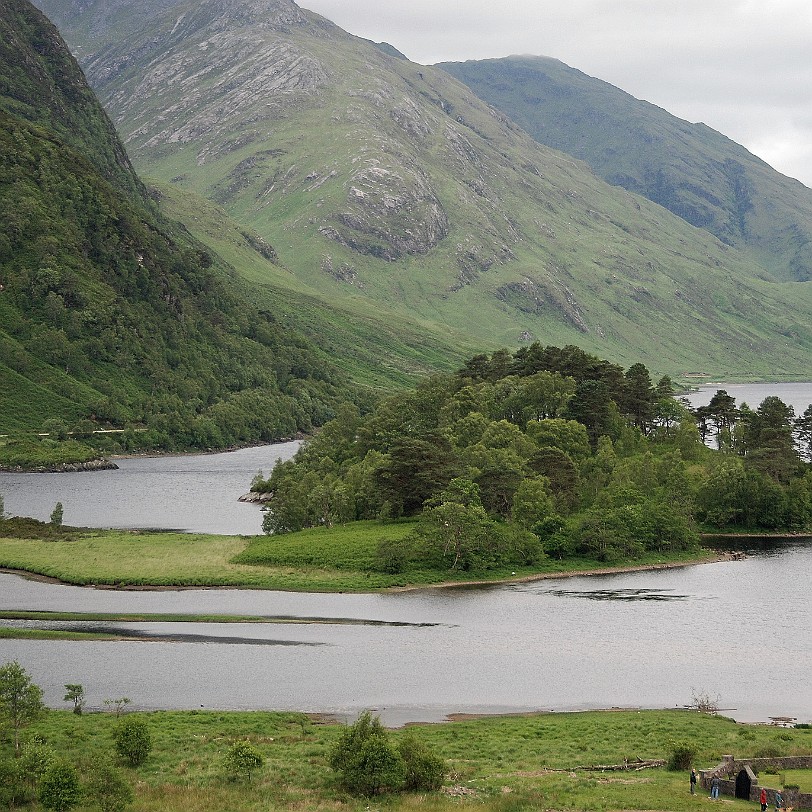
(739, 630)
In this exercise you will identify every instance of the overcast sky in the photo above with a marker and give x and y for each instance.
(743, 67)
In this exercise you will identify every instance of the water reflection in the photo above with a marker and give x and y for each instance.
(621, 594)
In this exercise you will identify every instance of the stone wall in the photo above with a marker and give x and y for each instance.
(730, 767)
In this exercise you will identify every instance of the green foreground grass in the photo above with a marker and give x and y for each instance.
(494, 763)
(340, 559)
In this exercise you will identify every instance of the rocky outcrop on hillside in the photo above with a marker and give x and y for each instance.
(389, 213)
(63, 467)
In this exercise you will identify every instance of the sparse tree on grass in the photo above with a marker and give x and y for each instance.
(118, 703)
(682, 758)
(20, 699)
(75, 694)
(425, 770)
(365, 761)
(704, 702)
(56, 516)
(241, 759)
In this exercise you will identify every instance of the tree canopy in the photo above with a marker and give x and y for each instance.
(547, 452)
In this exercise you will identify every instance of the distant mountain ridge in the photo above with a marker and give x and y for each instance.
(690, 169)
(390, 186)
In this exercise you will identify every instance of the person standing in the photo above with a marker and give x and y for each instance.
(763, 800)
(715, 788)
(693, 782)
(779, 801)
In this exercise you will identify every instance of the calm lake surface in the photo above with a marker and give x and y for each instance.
(193, 492)
(797, 395)
(738, 629)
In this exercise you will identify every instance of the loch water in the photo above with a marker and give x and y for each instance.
(195, 493)
(736, 630)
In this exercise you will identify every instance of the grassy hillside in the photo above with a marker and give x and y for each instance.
(390, 186)
(690, 169)
(377, 350)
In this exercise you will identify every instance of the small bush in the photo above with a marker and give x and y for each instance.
(365, 761)
(769, 751)
(109, 788)
(59, 787)
(35, 759)
(425, 770)
(682, 757)
(14, 791)
(242, 759)
(132, 740)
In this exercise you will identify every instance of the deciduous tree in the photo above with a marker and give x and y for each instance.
(75, 693)
(20, 699)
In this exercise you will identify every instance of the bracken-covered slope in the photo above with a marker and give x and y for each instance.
(390, 185)
(108, 311)
(692, 170)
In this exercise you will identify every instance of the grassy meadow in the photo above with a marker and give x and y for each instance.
(493, 763)
(338, 559)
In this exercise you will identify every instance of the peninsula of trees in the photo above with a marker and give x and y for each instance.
(547, 452)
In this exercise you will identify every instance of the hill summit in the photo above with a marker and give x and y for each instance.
(690, 169)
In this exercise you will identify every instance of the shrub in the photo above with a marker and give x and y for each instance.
(13, 789)
(425, 770)
(57, 515)
(132, 740)
(682, 757)
(59, 788)
(242, 759)
(35, 759)
(109, 788)
(367, 764)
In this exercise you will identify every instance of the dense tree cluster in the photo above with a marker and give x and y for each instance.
(548, 451)
(101, 300)
(110, 314)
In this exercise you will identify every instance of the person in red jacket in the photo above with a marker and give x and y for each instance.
(763, 800)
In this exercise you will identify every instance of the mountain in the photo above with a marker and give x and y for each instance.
(389, 188)
(109, 311)
(692, 170)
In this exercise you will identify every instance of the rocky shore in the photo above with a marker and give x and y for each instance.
(61, 467)
(255, 497)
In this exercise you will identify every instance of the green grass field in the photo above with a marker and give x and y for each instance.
(495, 763)
(320, 560)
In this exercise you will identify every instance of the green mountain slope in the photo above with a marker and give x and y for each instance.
(107, 310)
(390, 188)
(692, 170)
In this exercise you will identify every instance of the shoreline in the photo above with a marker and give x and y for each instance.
(712, 558)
